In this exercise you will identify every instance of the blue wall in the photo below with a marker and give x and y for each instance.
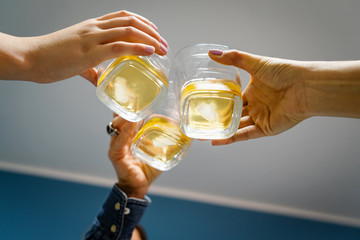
(40, 208)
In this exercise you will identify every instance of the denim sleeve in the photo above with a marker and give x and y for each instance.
(118, 217)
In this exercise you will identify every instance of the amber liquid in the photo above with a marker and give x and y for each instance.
(209, 103)
(135, 84)
(161, 139)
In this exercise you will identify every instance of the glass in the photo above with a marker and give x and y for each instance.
(160, 142)
(133, 86)
(209, 93)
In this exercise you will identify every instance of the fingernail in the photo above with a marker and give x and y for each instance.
(164, 42)
(163, 48)
(150, 49)
(216, 52)
(154, 26)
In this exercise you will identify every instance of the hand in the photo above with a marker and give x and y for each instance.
(134, 176)
(274, 100)
(282, 93)
(76, 50)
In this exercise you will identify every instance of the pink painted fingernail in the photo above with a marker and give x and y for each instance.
(154, 26)
(216, 52)
(163, 48)
(164, 42)
(150, 49)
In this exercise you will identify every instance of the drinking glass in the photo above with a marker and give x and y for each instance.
(133, 86)
(160, 142)
(209, 93)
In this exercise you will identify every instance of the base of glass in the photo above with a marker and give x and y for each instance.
(155, 163)
(195, 132)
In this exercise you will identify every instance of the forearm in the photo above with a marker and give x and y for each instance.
(14, 64)
(333, 88)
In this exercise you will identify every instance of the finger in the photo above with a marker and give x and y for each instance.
(117, 49)
(245, 111)
(132, 35)
(124, 13)
(91, 75)
(246, 133)
(243, 60)
(124, 139)
(134, 22)
(244, 95)
(119, 123)
(245, 121)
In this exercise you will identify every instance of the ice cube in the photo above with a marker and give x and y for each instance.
(163, 141)
(207, 111)
(122, 93)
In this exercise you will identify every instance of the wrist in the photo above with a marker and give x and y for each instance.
(333, 88)
(131, 191)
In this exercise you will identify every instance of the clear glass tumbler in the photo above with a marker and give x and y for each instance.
(209, 93)
(133, 86)
(160, 142)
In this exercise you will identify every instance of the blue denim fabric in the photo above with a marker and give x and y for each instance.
(118, 217)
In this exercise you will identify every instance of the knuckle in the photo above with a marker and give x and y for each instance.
(89, 28)
(131, 20)
(116, 48)
(123, 13)
(243, 134)
(233, 53)
(92, 21)
(129, 30)
(237, 58)
(138, 48)
(90, 24)
(232, 56)
(246, 134)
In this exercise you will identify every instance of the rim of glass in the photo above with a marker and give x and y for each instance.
(212, 45)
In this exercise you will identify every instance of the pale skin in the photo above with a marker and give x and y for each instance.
(282, 93)
(76, 50)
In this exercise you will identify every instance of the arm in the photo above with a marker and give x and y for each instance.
(333, 88)
(118, 216)
(127, 202)
(76, 50)
(282, 93)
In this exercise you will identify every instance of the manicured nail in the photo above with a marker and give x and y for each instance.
(163, 48)
(216, 52)
(154, 26)
(150, 49)
(164, 42)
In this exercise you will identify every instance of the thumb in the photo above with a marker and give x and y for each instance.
(91, 75)
(246, 61)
